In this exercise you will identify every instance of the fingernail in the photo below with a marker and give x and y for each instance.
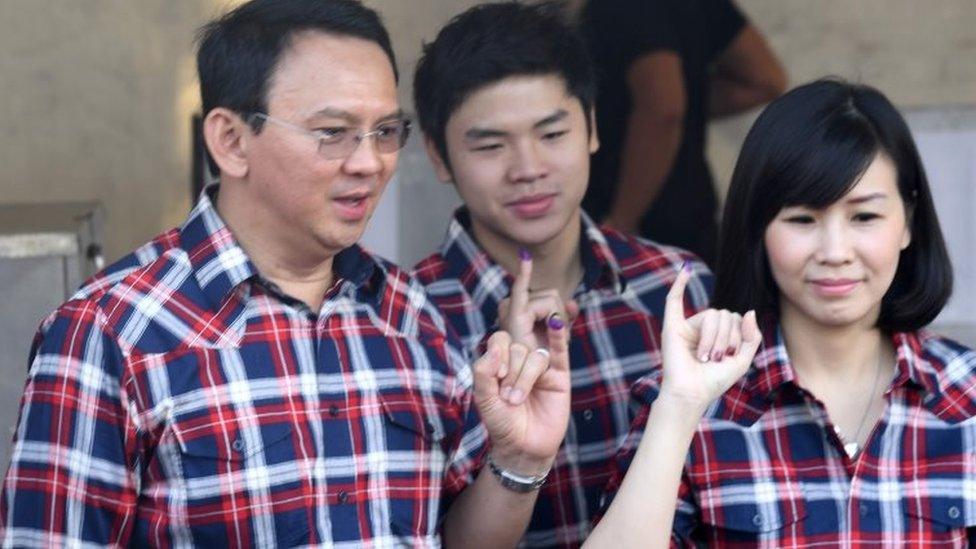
(730, 351)
(716, 356)
(704, 357)
(555, 322)
(515, 397)
(524, 254)
(686, 267)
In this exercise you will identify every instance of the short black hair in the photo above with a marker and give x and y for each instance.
(491, 42)
(239, 51)
(810, 147)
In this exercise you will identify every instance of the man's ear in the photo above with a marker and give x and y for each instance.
(440, 165)
(226, 134)
(594, 139)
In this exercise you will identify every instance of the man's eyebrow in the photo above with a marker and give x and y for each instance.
(552, 118)
(352, 118)
(476, 133)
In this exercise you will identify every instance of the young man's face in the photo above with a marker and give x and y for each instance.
(323, 82)
(519, 153)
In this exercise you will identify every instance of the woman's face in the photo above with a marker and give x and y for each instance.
(832, 266)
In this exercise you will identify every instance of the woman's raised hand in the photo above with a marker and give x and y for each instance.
(704, 355)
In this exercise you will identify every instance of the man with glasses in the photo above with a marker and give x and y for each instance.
(253, 377)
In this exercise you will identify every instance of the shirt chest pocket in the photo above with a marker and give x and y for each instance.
(746, 510)
(415, 466)
(255, 471)
(940, 497)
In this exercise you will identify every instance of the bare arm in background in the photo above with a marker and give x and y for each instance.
(654, 131)
(747, 74)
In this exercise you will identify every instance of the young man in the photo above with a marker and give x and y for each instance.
(504, 95)
(254, 378)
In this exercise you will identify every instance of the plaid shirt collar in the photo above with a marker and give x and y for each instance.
(488, 283)
(772, 371)
(220, 265)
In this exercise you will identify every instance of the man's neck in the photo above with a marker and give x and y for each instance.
(298, 269)
(556, 263)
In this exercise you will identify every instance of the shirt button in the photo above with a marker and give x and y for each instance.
(333, 410)
(238, 445)
(587, 414)
(954, 512)
(758, 520)
(343, 496)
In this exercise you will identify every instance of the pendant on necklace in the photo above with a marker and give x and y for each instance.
(852, 448)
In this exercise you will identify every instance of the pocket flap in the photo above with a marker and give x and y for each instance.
(407, 411)
(739, 507)
(222, 443)
(950, 511)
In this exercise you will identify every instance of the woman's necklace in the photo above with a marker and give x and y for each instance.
(852, 447)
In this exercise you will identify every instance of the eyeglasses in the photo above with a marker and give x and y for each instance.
(340, 142)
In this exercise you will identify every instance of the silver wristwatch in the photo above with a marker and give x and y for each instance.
(514, 481)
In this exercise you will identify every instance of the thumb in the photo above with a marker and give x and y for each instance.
(572, 310)
(751, 336)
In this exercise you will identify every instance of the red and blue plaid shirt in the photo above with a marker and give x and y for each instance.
(180, 400)
(767, 469)
(614, 341)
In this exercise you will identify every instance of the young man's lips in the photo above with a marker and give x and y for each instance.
(532, 206)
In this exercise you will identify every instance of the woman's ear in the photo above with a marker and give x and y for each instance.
(906, 239)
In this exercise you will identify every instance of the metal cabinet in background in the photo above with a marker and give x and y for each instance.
(46, 250)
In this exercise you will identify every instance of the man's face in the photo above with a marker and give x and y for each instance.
(315, 204)
(519, 153)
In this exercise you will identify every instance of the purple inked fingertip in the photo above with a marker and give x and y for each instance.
(524, 254)
(730, 351)
(556, 323)
(686, 267)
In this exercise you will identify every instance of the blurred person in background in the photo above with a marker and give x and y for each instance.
(665, 68)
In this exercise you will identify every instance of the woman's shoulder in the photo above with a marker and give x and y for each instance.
(935, 349)
(945, 368)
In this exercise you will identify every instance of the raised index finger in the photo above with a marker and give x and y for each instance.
(520, 288)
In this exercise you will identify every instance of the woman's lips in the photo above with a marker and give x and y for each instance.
(834, 287)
